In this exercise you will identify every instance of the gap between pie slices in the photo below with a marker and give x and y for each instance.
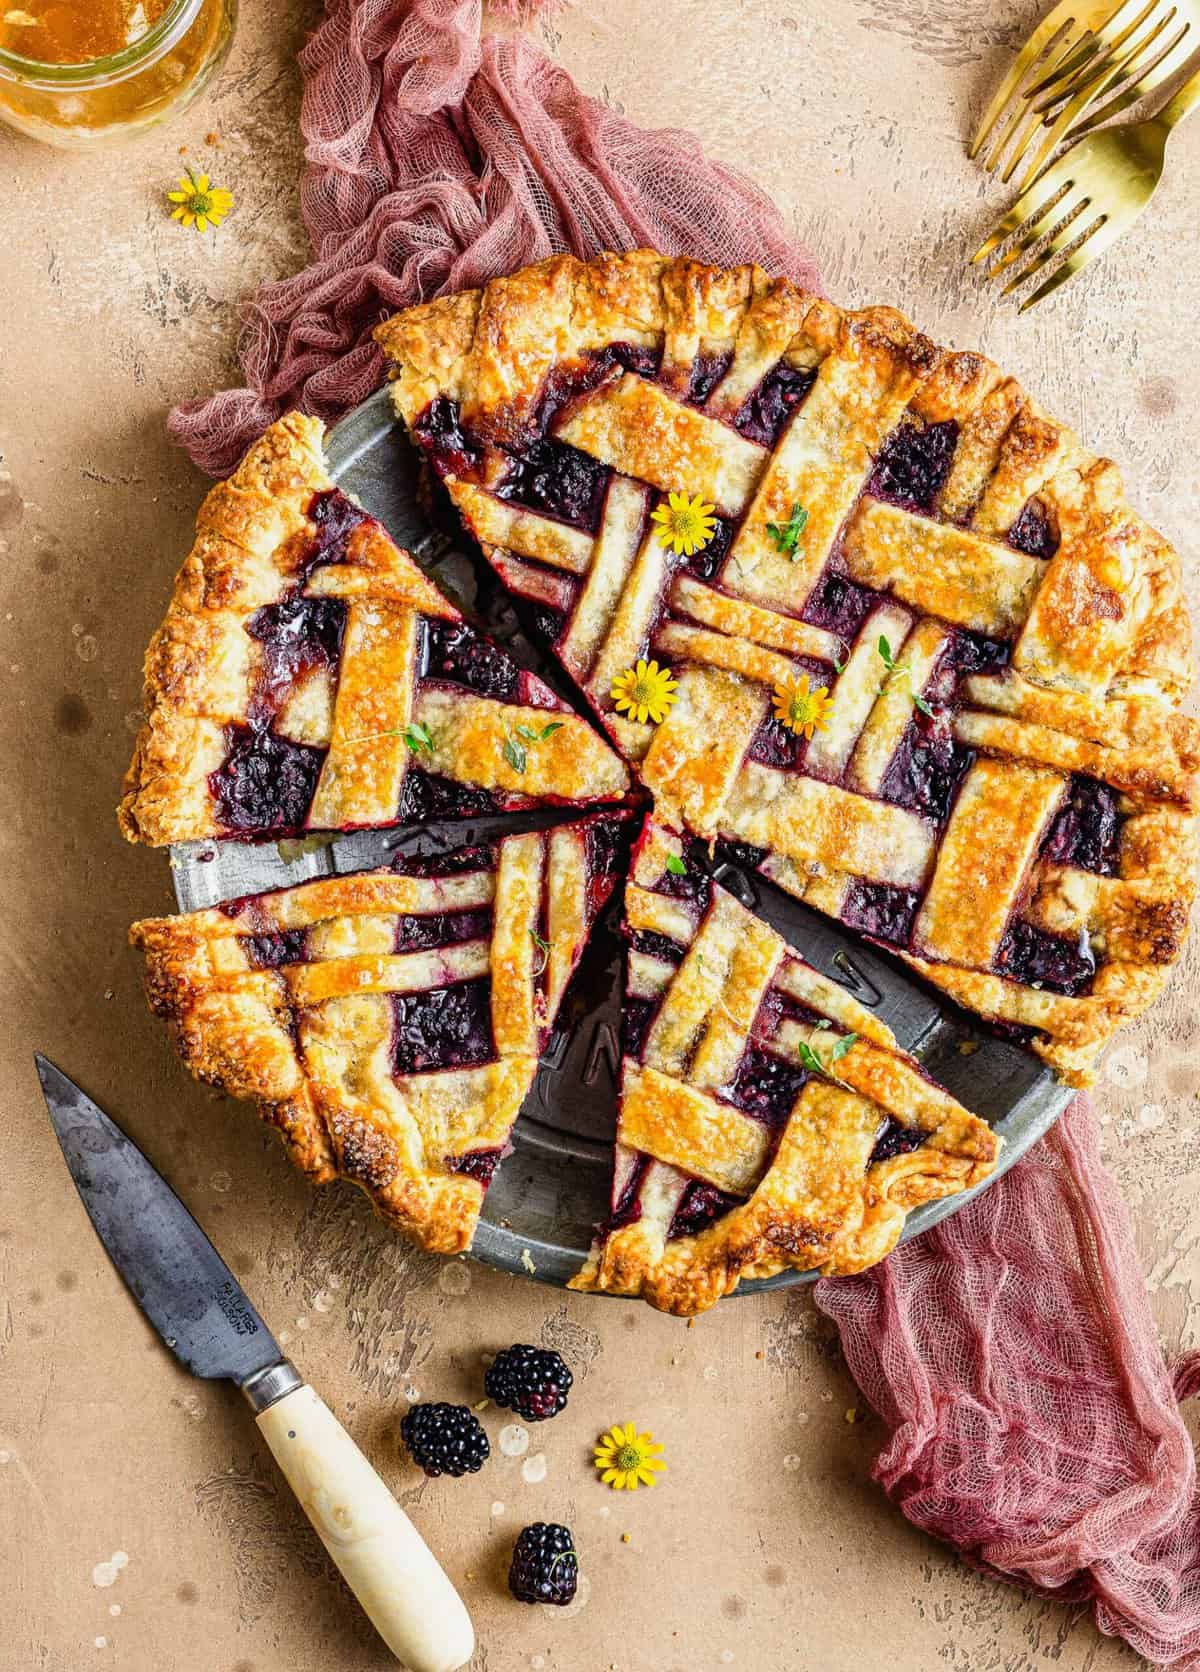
(389, 1023)
(1007, 800)
(768, 1121)
(309, 677)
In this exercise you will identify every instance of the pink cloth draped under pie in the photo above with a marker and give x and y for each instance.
(1010, 1351)
(1034, 1425)
(436, 159)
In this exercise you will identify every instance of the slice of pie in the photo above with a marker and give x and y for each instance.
(389, 1023)
(767, 1120)
(928, 660)
(308, 676)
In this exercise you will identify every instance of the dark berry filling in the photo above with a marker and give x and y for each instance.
(705, 563)
(272, 951)
(694, 884)
(765, 1086)
(973, 653)
(636, 1017)
(707, 372)
(439, 430)
(1037, 959)
(476, 1164)
(627, 1209)
(447, 1027)
(444, 928)
(453, 864)
(913, 464)
(767, 410)
(928, 766)
(336, 518)
(839, 606)
(296, 635)
(607, 847)
(548, 622)
(699, 1205)
(455, 652)
(743, 854)
(427, 797)
(553, 477)
(1033, 532)
(653, 945)
(1087, 830)
(893, 1138)
(881, 911)
(264, 782)
(774, 744)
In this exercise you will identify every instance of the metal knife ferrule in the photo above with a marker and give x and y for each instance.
(266, 1387)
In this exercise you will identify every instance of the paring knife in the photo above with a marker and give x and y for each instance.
(199, 1308)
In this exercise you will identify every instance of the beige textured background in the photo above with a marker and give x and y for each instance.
(768, 1547)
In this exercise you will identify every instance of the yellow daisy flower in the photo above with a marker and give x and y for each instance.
(199, 203)
(627, 1459)
(685, 526)
(800, 709)
(645, 692)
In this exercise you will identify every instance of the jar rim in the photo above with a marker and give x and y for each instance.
(99, 72)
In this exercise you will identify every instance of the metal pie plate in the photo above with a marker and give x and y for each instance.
(539, 1214)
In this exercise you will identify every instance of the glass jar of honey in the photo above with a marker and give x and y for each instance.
(88, 72)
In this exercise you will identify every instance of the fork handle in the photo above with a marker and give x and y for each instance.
(1187, 98)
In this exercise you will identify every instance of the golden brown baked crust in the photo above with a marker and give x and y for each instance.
(820, 1191)
(1020, 595)
(289, 1000)
(210, 676)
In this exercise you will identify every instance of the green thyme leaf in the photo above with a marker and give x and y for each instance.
(844, 1044)
(515, 755)
(815, 1065)
(895, 672)
(543, 947)
(787, 535)
(676, 866)
(418, 738)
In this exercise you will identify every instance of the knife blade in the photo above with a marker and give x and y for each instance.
(204, 1316)
(175, 1274)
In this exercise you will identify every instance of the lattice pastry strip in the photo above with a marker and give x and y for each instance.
(390, 1023)
(1002, 639)
(767, 1119)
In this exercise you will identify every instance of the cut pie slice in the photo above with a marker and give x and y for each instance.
(768, 1120)
(309, 676)
(929, 660)
(389, 1023)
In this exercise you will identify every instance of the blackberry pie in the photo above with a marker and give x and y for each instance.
(848, 602)
(768, 1120)
(389, 1023)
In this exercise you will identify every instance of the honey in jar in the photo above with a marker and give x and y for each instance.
(83, 72)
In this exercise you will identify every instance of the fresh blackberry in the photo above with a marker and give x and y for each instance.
(444, 1439)
(544, 1567)
(529, 1380)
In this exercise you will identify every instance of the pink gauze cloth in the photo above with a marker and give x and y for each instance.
(1010, 1350)
(1033, 1424)
(438, 159)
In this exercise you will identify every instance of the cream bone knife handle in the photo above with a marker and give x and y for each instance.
(382, 1557)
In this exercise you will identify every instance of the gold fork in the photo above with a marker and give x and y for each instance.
(1113, 172)
(1082, 52)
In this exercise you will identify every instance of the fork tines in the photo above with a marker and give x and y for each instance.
(1083, 53)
